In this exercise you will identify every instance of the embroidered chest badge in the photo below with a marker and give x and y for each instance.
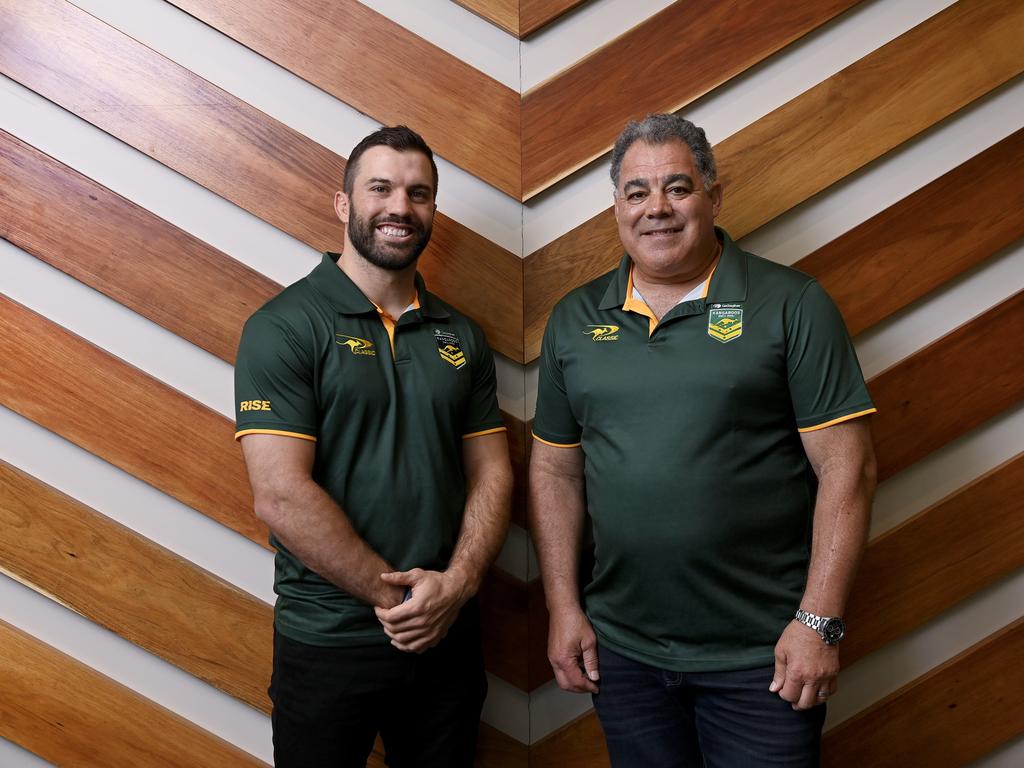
(449, 348)
(725, 322)
(355, 345)
(602, 332)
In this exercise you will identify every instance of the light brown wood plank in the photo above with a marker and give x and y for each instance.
(818, 138)
(948, 388)
(125, 252)
(69, 714)
(575, 116)
(234, 150)
(537, 14)
(125, 417)
(143, 592)
(504, 14)
(929, 237)
(947, 718)
(380, 68)
(946, 553)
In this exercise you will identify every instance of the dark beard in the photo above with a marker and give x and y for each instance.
(361, 233)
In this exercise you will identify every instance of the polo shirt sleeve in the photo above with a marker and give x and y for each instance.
(483, 416)
(273, 382)
(554, 422)
(825, 381)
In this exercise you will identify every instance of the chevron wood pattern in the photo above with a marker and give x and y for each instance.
(926, 239)
(340, 45)
(503, 14)
(144, 593)
(534, 15)
(816, 139)
(69, 714)
(232, 149)
(639, 73)
(940, 556)
(978, 696)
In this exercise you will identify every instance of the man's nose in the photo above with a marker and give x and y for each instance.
(399, 203)
(658, 205)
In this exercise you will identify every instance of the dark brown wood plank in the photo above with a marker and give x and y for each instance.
(504, 14)
(125, 417)
(578, 744)
(953, 715)
(503, 605)
(946, 553)
(69, 714)
(926, 239)
(951, 386)
(234, 150)
(640, 72)
(534, 15)
(818, 138)
(519, 452)
(382, 69)
(146, 594)
(125, 252)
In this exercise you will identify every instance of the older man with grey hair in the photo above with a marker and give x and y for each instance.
(704, 408)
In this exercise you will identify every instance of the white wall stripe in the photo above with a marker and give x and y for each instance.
(133, 667)
(507, 709)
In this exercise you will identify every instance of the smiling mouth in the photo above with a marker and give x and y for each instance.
(662, 232)
(398, 231)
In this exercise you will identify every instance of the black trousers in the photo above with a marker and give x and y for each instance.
(330, 703)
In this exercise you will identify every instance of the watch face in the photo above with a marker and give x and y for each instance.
(833, 631)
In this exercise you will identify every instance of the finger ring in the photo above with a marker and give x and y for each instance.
(823, 694)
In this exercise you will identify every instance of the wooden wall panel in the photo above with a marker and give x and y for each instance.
(926, 239)
(949, 387)
(381, 69)
(579, 744)
(818, 138)
(69, 714)
(503, 14)
(131, 586)
(518, 446)
(940, 556)
(234, 150)
(947, 718)
(126, 252)
(536, 14)
(503, 604)
(114, 411)
(575, 116)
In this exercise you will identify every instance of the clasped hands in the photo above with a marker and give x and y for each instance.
(422, 621)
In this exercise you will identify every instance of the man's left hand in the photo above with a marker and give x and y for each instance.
(422, 621)
(805, 667)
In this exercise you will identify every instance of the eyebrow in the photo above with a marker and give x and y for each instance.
(388, 182)
(679, 177)
(642, 183)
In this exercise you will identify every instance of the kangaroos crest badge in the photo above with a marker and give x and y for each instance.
(725, 322)
(449, 348)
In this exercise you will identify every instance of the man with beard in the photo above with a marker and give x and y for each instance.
(705, 407)
(367, 414)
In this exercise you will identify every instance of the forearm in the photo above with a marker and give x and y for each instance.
(484, 527)
(557, 508)
(306, 520)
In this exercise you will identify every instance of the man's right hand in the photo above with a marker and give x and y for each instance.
(572, 651)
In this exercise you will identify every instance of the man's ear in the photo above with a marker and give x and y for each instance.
(715, 193)
(341, 203)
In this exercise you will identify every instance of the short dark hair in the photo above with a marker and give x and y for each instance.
(400, 138)
(660, 129)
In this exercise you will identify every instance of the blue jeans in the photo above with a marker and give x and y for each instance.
(656, 718)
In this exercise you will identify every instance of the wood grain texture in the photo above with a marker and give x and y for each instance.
(951, 386)
(926, 239)
(937, 558)
(69, 714)
(578, 744)
(234, 150)
(575, 116)
(503, 14)
(383, 70)
(125, 417)
(126, 252)
(537, 14)
(124, 582)
(947, 718)
(504, 621)
(818, 138)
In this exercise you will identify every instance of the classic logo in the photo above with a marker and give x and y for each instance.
(602, 332)
(449, 348)
(725, 322)
(355, 345)
(254, 405)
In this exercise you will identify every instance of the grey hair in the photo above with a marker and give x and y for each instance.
(660, 129)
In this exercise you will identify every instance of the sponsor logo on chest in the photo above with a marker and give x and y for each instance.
(356, 345)
(602, 332)
(725, 322)
(449, 348)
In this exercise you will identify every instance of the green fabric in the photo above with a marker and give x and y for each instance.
(699, 492)
(388, 431)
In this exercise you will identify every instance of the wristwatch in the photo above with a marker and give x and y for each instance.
(831, 629)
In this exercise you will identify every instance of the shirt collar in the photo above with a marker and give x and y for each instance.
(344, 295)
(728, 281)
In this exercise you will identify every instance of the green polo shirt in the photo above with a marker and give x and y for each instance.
(316, 363)
(698, 488)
